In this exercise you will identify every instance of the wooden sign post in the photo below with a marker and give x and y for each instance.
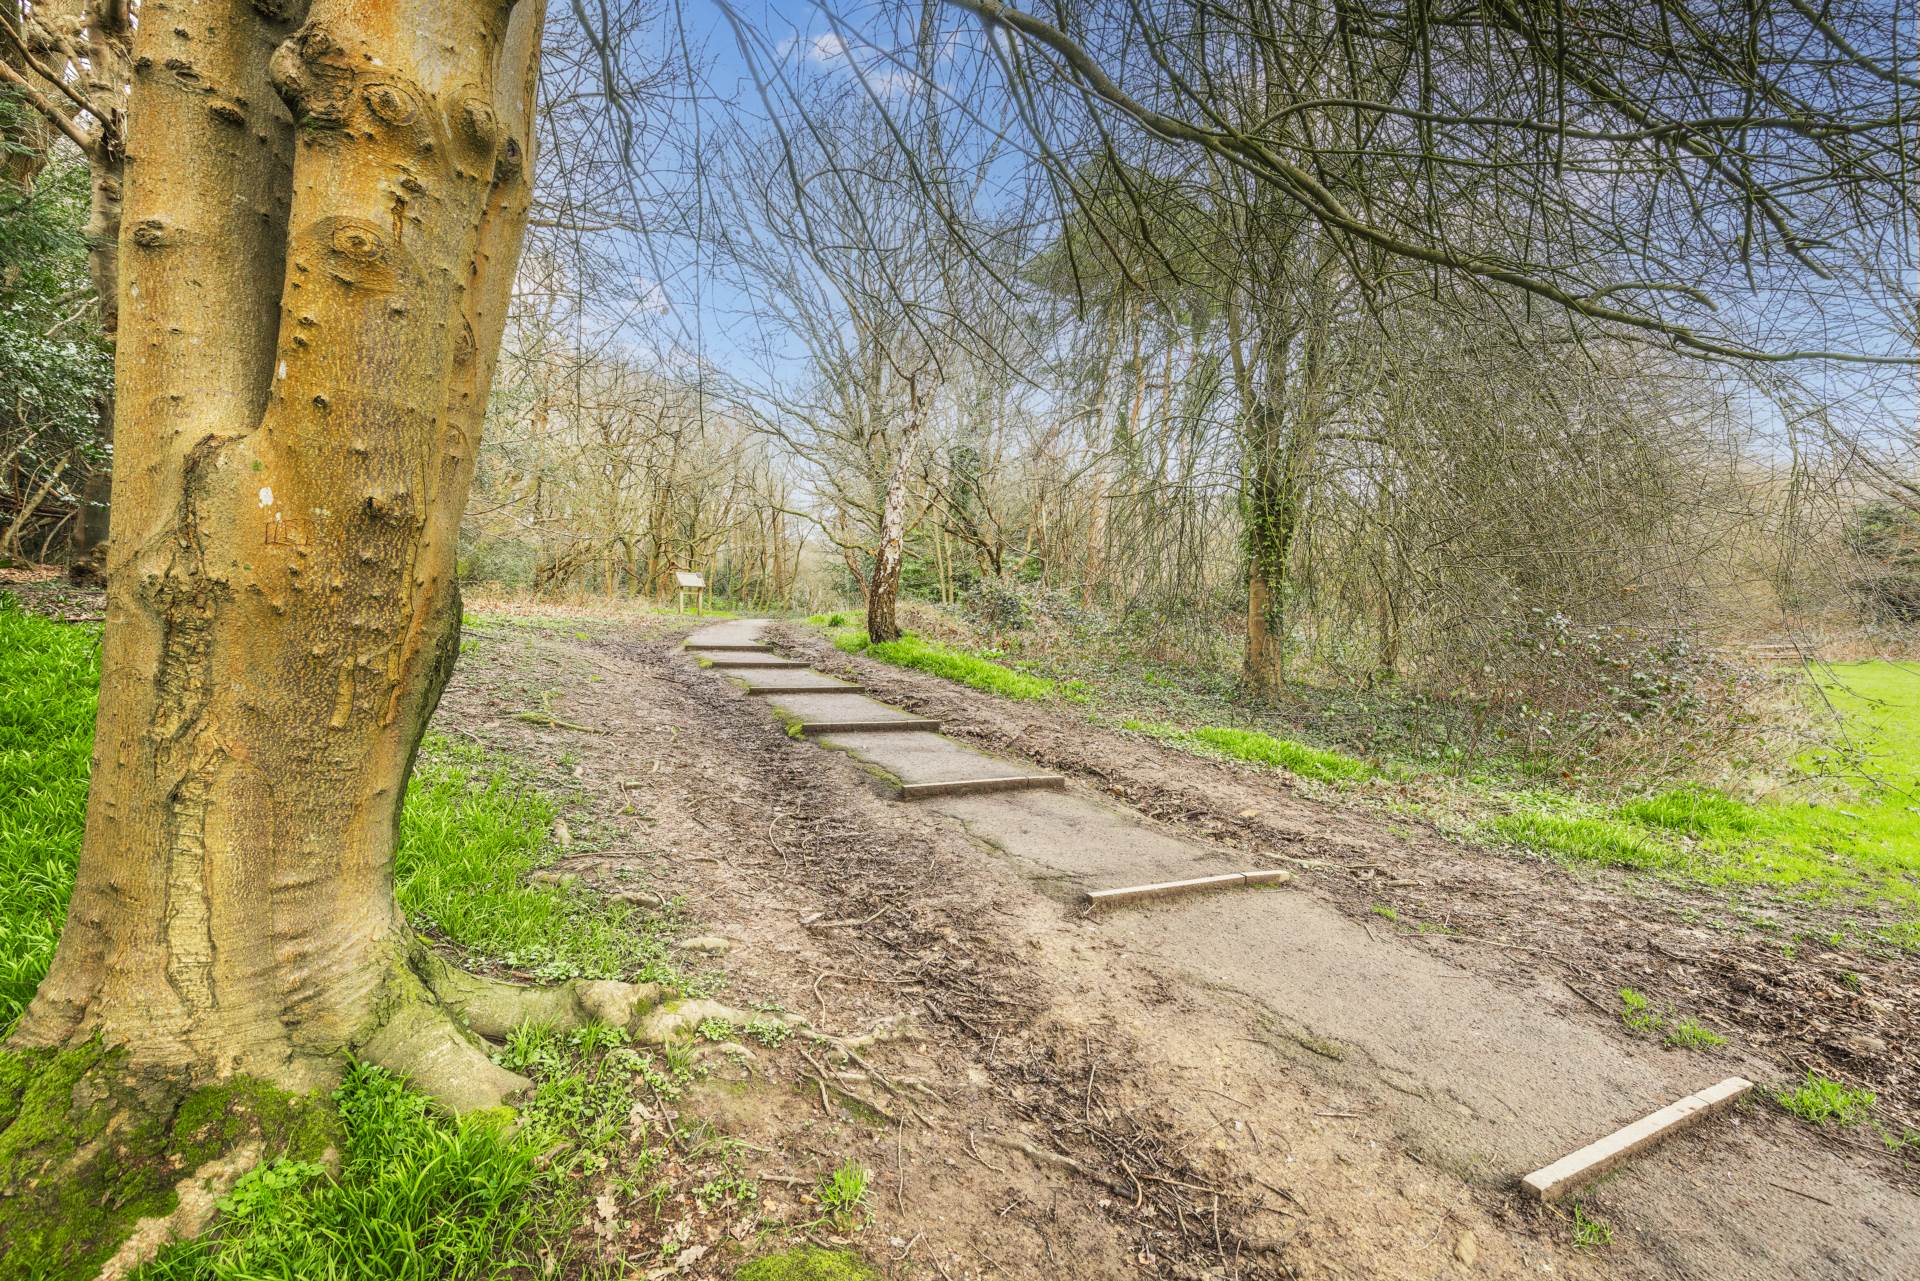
(697, 585)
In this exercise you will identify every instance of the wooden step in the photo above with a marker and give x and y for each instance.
(1194, 885)
(804, 689)
(750, 662)
(971, 786)
(713, 647)
(856, 727)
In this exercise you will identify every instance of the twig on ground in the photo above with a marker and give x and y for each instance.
(1797, 1192)
(554, 722)
(1040, 1154)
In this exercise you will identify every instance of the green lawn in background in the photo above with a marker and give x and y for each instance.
(1881, 703)
(1864, 847)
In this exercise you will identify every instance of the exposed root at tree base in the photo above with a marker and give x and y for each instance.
(437, 1016)
(104, 1161)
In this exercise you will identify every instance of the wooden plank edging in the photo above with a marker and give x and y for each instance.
(968, 786)
(1597, 1158)
(853, 727)
(1194, 885)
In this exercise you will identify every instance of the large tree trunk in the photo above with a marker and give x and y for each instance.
(322, 229)
(883, 591)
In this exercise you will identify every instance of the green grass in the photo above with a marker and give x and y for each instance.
(843, 1194)
(1678, 1031)
(1881, 704)
(1819, 1100)
(1589, 1231)
(953, 664)
(1296, 758)
(1307, 761)
(1859, 853)
(49, 673)
(417, 1198)
(469, 834)
(1605, 841)
(1863, 851)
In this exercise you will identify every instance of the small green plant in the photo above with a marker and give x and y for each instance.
(1589, 1231)
(843, 1194)
(1385, 913)
(531, 1045)
(1638, 1013)
(1686, 1034)
(714, 1030)
(1678, 1031)
(680, 1058)
(771, 1033)
(716, 1190)
(597, 1036)
(1820, 1099)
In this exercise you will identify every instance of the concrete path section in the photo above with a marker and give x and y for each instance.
(730, 634)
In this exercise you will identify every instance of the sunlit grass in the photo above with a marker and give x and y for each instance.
(952, 664)
(1282, 753)
(1605, 841)
(468, 836)
(1820, 1100)
(1881, 703)
(1862, 849)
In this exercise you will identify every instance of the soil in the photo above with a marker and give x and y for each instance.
(1268, 1085)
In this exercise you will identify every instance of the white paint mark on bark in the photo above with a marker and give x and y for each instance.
(266, 495)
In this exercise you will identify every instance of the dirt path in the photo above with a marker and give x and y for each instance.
(1249, 1086)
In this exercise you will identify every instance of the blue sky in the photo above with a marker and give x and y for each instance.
(687, 304)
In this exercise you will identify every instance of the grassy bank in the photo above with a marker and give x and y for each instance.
(976, 671)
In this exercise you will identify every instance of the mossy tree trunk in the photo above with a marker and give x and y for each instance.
(323, 214)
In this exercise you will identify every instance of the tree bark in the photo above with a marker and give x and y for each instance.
(883, 592)
(322, 225)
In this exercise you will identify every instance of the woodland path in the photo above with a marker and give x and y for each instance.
(1481, 1077)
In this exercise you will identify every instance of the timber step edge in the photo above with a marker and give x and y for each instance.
(972, 786)
(856, 727)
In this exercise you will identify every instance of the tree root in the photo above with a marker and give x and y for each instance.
(437, 1016)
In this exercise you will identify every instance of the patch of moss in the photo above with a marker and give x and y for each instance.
(807, 1263)
(88, 1149)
